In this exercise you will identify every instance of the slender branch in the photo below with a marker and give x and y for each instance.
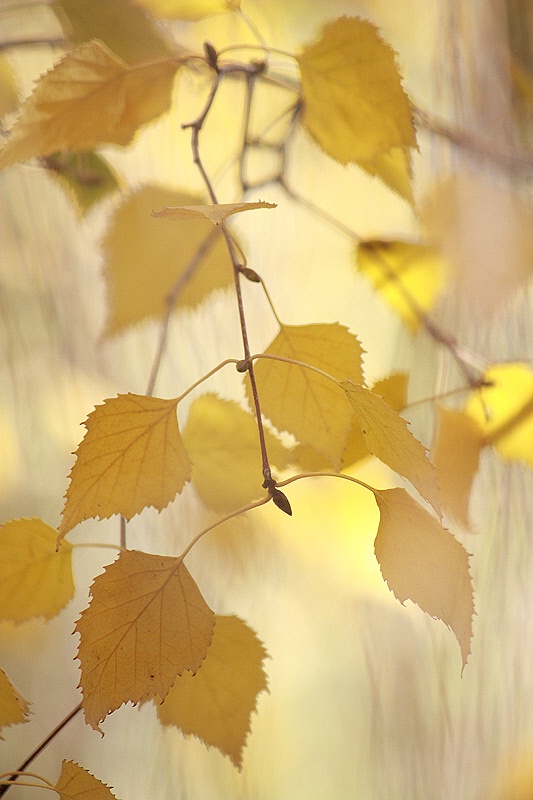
(250, 86)
(38, 750)
(233, 514)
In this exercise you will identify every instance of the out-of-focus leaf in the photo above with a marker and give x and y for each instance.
(8, 88)
(214, 213)
(88, 176)
(189, 9)
(14, 709)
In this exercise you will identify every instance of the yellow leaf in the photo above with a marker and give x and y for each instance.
(222, 442)
(8, 88)
(301, 401)
(354, 103)
(121, 25)
(189, 9)
(509, 406)
(421, 561)
(147, 260)
(131, 457)
(146, 623)
(393, 389)
(87, 175)
(400, 271)
(14, 709)
(89, 98)
(216, 704)
(214, 213)
(387, 436)
(75, 783)
(35, 580)
(394, 169)
(457, 450)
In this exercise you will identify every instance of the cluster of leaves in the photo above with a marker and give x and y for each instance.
(148, 634)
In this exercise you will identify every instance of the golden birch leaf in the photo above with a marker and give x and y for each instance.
(401, 272)
(146, 623)
(9, 99)
(147, 260)
(421, 561)
(458, 446)
(131, 457)
(394, 169)
(504, 411)
(393, 389)
(75, 783)
(222, 442)
(14, 709)
(216, 704)
(89, 98)
(124, 27)
(88, 176)
(301, 401)
(189, 9)
(354, 103)
(388, 437)
(35, 580)
(214, 213)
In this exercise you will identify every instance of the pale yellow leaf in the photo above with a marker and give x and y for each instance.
(457, 450)
(121, 25)
(146, 623)
(14, 709)
(222, 442)
(35, 580)
(189, 9)
(421, 561)
(214, 213)
(302, 402)
(75, 783)
(87, 176)
(8, 88)
(148, 260)
(393, 389)
(89, 98)
(354, 103)
(388, 437)
(408, 275)
(394, 169)
(216, 704)
(131, 457)
(504, 411)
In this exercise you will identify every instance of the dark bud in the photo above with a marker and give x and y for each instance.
(281, 500)
(211, 55)
(251, 274)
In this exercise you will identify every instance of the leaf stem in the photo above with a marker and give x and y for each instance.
(98, 545)
(270, 303)
(342, 475)
(296, 364)
(10, 776)
(50, 42)
(7, 784)
(206, 376)
(38, 750)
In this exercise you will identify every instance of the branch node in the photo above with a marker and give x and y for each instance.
(280, 500)
(250, 274)
(211, 56)
(243, 365)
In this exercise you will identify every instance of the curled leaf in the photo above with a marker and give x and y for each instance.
(214, 213)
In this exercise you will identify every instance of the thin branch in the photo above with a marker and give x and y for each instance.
(38, 750)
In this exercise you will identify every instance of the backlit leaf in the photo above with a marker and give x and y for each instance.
(216, 704)
(8, 88)
(301, 401)
(147, 260)
(35, 580)
(394, 169)
(222, 442)
(146, 623)
(14, 709)
(75, 783)
(214, 213)
(87, 175)
(456, 458)
(89, 98)
(189, 9)
(421, 561)
(401, 272)
(131, 457)
(354, 103)
(387, 436)
(393, 389)
(504, 411)
(121, 25)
